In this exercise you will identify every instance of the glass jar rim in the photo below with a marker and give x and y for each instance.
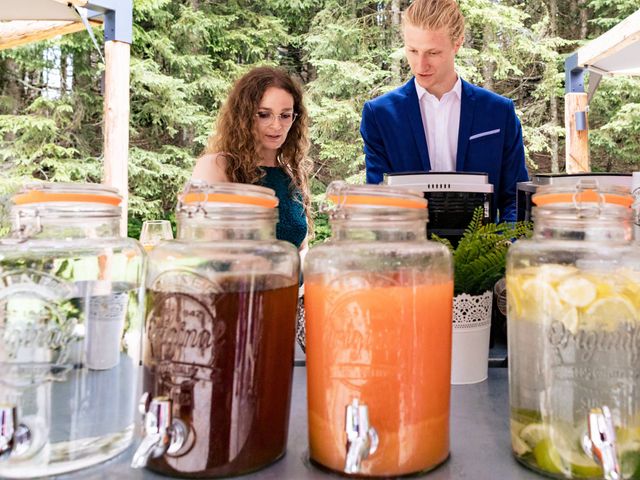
(200, 193)
(343, 194)
(54, 193)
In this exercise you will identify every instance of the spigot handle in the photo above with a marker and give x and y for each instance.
(362, 438)
(600, 442)
(162, 433)
(145, 451)
(15, 438)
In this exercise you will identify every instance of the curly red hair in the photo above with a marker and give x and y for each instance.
(234, 135)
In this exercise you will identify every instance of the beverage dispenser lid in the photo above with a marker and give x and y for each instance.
(228, 193)
(555, 196)
(343, 194)
(39, 193)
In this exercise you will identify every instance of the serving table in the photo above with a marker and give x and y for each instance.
(480, 441)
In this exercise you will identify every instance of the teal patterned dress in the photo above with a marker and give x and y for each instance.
(292, 224)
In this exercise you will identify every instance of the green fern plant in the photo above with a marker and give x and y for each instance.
(479, 259)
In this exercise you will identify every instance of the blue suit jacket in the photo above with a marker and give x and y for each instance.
(489, 140)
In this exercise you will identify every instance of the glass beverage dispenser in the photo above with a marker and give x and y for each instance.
(574, 336)
(219, 341)
(70, 326)
(378, 299)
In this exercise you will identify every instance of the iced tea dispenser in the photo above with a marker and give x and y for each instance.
(219, 338)
(70, 324)
(378, 299)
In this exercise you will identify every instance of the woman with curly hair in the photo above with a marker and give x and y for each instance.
(261, 138)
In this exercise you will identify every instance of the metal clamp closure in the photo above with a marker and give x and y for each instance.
(588, 209)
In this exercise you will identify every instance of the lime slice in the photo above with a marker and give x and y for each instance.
(580, 464)
(551, 458)
(630, 462)
(628, 438)
(547, 457)
(541, 300)
(577, 291)
(610, 312)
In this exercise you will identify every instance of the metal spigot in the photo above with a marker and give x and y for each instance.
(362, 439)
(162, 433)
(15, 438)
(600, 442)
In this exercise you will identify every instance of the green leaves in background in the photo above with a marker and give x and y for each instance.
(187, 53)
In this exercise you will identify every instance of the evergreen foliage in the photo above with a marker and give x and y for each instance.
(479, 259)
(186, 54)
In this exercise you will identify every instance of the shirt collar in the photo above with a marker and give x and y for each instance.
(457, 91)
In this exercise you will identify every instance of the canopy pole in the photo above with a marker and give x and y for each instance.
(577, 142)
(118, 32)
(116, 122)
(575, 118)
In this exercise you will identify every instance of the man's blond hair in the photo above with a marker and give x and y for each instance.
(436, 14)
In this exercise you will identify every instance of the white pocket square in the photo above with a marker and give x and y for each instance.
(484, 134)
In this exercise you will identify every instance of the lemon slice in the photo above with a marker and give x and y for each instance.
(518, 445)
(554, 273)
(570, 319)
(577, 291)
(541, 300)
(534, 433)
(514, 296)
(610, 312)
(630, 274)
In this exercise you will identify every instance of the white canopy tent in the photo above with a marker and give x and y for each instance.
(615, 52)
(34, 20)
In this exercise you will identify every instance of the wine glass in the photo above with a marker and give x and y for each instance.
(153, 231)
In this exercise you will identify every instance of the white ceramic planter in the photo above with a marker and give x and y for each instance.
(470, 346)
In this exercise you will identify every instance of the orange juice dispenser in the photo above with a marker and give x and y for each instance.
(378, 299)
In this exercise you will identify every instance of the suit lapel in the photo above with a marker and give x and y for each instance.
(412, 107)
(467, 108)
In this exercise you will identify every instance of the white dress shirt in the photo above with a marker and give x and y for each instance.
(441, 121)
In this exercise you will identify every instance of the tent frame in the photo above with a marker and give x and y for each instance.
(42, 23)
(614, 43)
(118, 33)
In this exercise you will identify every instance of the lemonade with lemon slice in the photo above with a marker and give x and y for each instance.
(574, 343)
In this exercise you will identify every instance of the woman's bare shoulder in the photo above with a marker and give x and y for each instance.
(211, 167)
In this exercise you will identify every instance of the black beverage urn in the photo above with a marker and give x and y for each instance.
(452, 197)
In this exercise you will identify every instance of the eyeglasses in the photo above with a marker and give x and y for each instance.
(267, 118)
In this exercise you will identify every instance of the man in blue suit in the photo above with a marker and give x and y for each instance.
(439, 122)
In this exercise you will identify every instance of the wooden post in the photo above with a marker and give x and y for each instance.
(577, 152)
(116, 121)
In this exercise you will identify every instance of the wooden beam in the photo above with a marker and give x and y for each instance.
(577, 142)
(77, 3)
(619, 37)
(18, 32)
(116, 121)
